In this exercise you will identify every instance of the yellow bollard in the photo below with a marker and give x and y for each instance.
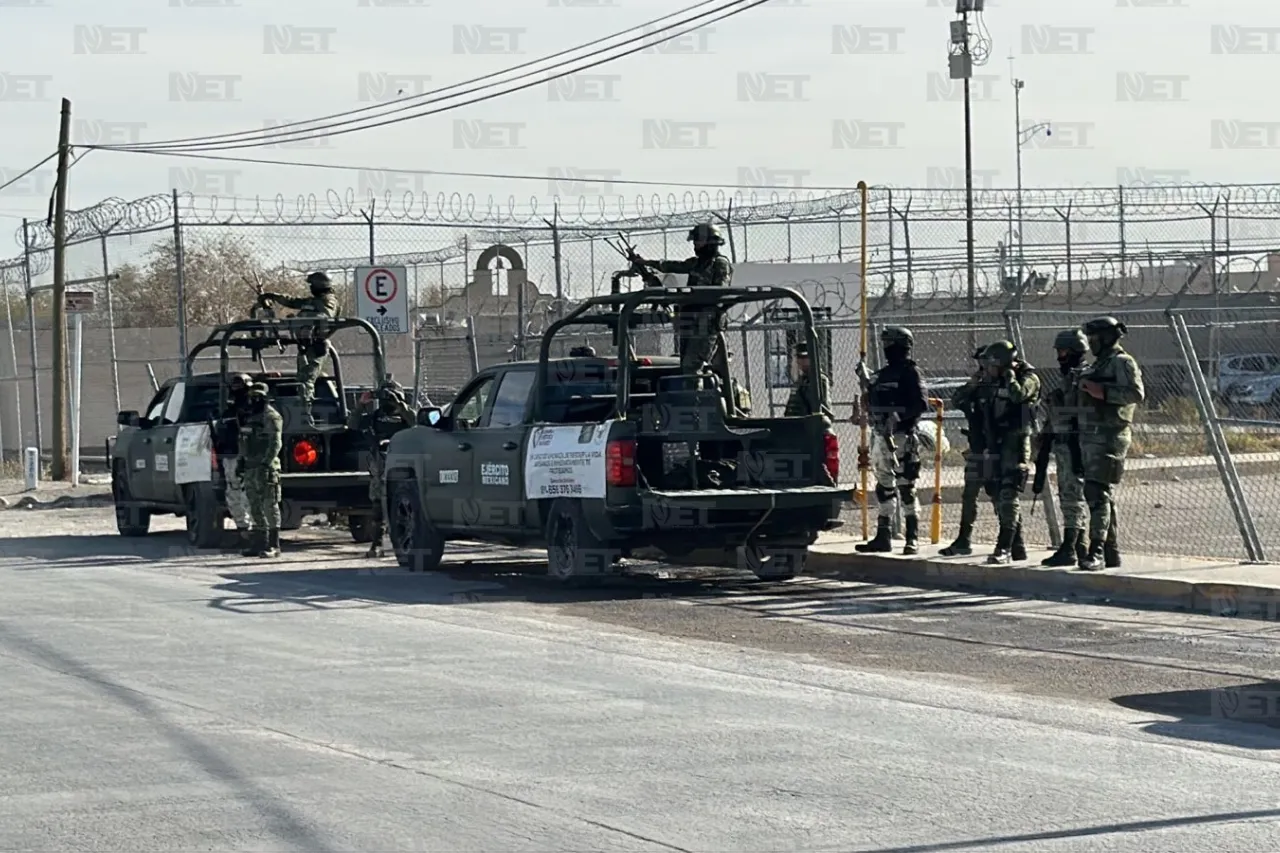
(935, 518)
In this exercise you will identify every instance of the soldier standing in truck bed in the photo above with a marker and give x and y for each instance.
(313, 349)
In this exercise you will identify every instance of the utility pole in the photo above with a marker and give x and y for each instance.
(1022, 135)
(962, 59)
(59, 467)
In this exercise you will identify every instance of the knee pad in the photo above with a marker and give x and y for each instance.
(991, 487)
(884, 495)
(907, 493)
(910, 469)
(1094, 492)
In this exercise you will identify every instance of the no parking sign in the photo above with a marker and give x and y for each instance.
(382, 298)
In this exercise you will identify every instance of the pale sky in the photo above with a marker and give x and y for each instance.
(1132, 89)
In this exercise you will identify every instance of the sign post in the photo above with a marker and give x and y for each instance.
(382, 298)
(78, 303)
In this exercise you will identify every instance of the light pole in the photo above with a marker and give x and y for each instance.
(1022, 135)
(962, 58)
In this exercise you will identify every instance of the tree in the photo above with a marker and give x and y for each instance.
(219, 273)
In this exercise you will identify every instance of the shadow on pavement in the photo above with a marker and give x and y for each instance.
(109, 549)
(1215, 715)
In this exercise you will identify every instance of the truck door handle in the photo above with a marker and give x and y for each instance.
(510, 445)
(168, 441)
(462, 445)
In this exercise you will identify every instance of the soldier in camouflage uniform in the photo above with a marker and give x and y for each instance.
(230, 435)
(971, 400)
(1110, 391)
(1009, 423)
(377, 420)
(259, 465)
(700, 331)
(1060, 438)
(313, 352)
(895, 400)
(799, 403)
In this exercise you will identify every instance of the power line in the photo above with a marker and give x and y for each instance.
(490, 175)
(404, 103)
(727, 10)
(17, 178)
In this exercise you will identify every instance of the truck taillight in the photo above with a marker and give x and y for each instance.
(305, 453)
(620, 463)
(831, 446)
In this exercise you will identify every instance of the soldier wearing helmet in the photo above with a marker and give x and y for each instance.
(700, 332)
(313, 353)
(971, 400)
(895, 402)
(1009, 421)
(229, 432)
(799, 403)
(1110, 392)
(1059, 439)
(378, 417)
(261, 443)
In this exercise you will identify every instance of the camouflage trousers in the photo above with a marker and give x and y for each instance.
(896, 471)
(977, 467)
(377, 493)
(262, 487)
(1075, 511)
(310, 368)
(1007, 479)
(1103, 454)
(699, 339)
(237, 499)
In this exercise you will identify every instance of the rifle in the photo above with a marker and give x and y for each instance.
(262, 310)
(636, 267)
(1042, 462)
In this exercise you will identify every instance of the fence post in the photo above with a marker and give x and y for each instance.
(472, 351)
(1124, 251)
(180, 263)
(17, 386)
(1071, 281)
(111, 322)
(558, 259)
(1217, 441)
(31, 324)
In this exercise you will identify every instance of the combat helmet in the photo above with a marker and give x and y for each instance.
(1001, 354)
(706, 232)
(1072, 340)
(896, 336)
(319, 282)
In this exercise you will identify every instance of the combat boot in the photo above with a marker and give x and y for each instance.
(882, 543)
(271, 544)
(1068, 553)
(1093, 560)
(912, 524)
(962, 547)
(1111, 554)
(375, 545)
(1001, 556)
(256, 541)
(236, 541)
(1018, 548)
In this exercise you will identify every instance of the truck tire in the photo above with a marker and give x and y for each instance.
(361, 527)
(290, 515)
(130, 520)
(775, 562)
(575, 554)
(203, 517)
(417, 542)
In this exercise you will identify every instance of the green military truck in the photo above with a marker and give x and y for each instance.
(591, 456)
(164, 461)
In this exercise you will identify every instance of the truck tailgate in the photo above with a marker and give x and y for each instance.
(748, 499)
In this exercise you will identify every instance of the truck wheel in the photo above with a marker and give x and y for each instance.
(130, 520)
(361, 527)
(204, 519)
(775, 562)
(574, 553)
(417, 542)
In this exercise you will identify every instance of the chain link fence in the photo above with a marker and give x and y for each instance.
(169, 267)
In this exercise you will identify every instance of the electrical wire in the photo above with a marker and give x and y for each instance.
(491, 175)
(313, 131)
(17, 178)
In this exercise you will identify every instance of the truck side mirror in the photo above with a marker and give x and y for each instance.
(128, 418)
(431, 416)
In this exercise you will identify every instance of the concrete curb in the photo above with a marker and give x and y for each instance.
(1161, 593)
(60, 502)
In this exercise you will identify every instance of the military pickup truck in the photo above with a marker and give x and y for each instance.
(164, 461)
(591, 458)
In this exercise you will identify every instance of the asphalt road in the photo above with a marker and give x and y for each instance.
(157, 699)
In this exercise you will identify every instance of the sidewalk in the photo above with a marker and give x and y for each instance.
(1164, 583)
(94, 490)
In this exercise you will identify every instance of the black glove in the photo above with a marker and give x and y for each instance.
(240, 467)
(1037, 484)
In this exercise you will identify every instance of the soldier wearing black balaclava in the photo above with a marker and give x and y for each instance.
(895, 400)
